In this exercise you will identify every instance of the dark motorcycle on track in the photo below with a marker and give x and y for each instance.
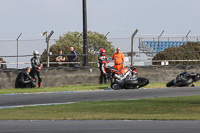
(184, 79)
(125, 78)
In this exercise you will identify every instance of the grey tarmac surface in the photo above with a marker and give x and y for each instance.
(96, 126)
(65, 97)
(99, 126)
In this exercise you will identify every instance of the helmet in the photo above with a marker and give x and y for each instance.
(36, 53)
(102, 52)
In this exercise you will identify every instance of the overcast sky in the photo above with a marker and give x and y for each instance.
(119, 17)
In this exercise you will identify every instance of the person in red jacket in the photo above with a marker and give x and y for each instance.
(102, 64)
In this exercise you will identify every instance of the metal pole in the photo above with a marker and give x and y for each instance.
(132, 45)
(187, 35)
(48, 52)
(158, 42)
(187, 45)
(48, 49)
(18, 48)
(106, 35)
(160, 36)
(85, 48)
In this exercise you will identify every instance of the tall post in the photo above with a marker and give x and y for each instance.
(187, 45)
(132, 45)
(85, 48)
(48, 49)
(106, 35)
(187, 35)
(18, 48)
(160, 36)
(159, 44)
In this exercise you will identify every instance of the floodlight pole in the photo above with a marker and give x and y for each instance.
(132, 45)
(18, 48)
(85, 48)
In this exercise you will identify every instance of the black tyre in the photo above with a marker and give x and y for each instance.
(198, 77)
(115, 86)
(143, 82)
(192, 85)
(131, 84)
(170, 84)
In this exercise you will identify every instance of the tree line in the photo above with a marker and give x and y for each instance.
(189, 51)
(95, 42)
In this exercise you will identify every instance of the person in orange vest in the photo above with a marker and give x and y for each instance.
(118, 58)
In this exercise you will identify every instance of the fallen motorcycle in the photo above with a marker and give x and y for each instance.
(184, 79)
(125, 78)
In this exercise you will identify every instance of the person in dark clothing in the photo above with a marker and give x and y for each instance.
(60, 58)
(73, 57)
(36, 64)
(102, 64)
(3, 66)
(25, 80)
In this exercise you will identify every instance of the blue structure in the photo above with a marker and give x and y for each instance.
(158, 46)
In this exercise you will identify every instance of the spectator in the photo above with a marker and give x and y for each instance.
(25, 80)
(60, 57)
(36, 64)
(73, 57)
(3, 66)
(102, 64)
(118, 58)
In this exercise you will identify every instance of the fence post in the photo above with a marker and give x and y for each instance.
(187, 45)
(132, 45)
(47, 41)
(48, 49)
(18, 48)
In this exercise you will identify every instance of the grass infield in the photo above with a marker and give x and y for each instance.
(171, 108)
(74, 88)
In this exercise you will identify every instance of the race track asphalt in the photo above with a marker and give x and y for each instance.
(11, 100)
(90, 126)
(99, 126)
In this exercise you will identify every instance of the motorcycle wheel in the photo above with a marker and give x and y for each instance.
(192, 85)
(115, 86)
(131, 84)
(143, 82)
(198, 77)
(171, 83)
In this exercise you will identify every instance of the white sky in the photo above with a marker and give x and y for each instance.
(120, 17)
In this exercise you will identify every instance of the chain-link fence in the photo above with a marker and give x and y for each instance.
(18, 54)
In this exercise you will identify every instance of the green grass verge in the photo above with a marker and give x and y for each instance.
(75, 88)
(55, 89)
(171, 108)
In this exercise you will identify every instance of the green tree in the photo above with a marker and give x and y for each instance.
(95, 42)
(189, 51)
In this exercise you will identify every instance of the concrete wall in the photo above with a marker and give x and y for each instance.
(157, 74)
(60, 76)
